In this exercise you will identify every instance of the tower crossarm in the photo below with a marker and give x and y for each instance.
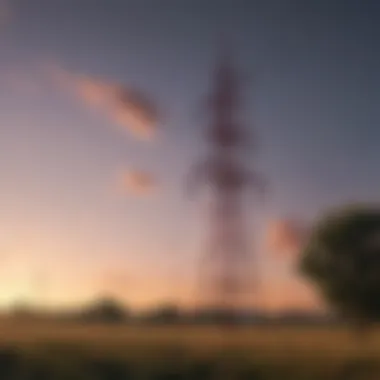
(227, 273)
(227, 175)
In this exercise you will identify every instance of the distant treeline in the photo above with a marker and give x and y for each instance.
(109, 310)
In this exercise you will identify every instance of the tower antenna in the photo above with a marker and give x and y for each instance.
(226, 272)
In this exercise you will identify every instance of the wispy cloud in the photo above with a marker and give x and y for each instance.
(286, 236)
(138, 182)
(124, 106)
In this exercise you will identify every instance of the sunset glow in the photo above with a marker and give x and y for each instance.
(116, 111)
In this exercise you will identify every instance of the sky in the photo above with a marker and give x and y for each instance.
(93, 196)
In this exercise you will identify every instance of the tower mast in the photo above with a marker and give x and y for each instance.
(226, 267)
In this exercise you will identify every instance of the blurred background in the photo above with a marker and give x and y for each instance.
(107, 108)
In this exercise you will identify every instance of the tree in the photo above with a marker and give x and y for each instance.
(105, 310)
(23, 311)
(165, 314)
(342, 258)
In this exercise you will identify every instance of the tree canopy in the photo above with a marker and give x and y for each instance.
(105, 309)
(342, 258)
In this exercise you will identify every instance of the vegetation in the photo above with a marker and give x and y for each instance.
(163, 314)
(96, 352)
(106, 310)
(343, 259)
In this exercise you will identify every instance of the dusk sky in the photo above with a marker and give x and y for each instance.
(92, 202)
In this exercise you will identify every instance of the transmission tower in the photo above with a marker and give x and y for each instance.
(226, 269)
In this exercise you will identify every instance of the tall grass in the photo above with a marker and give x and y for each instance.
(56, 351)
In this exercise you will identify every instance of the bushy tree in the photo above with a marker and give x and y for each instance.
(342, 258)
(165, 313)
(105, 310)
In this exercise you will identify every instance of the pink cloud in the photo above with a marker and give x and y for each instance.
(126, 107)
(139, 182)
(286, 236)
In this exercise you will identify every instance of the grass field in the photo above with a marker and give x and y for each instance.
(59, 351)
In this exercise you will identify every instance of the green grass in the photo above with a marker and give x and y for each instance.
(58, 351)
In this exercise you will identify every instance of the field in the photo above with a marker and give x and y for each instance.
(63, 351)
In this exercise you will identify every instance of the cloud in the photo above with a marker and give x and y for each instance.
(286, 236)
(124, 106)
(138, 183)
